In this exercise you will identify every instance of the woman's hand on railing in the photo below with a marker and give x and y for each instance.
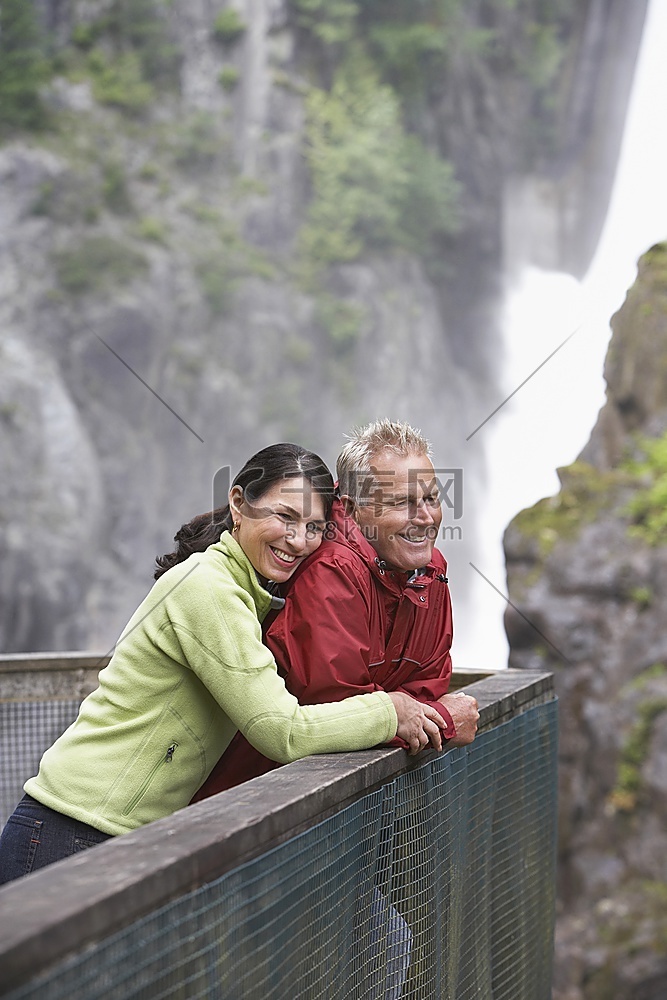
(465, 716)
(417, 723)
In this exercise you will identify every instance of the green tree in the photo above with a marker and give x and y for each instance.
(23, 68)
(373, 184)
(142, 26)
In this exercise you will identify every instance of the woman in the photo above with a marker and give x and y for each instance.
(190, 670)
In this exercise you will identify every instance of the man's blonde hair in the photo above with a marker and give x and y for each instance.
(364, 444)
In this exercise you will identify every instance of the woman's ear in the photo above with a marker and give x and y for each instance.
(235, 501)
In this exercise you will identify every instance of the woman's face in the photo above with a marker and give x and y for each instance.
(280, 529)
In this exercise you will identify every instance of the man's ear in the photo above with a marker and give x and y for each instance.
(350, 507)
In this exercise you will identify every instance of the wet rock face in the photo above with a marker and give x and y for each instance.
(589, 570)
(150, 267)
(47, 533)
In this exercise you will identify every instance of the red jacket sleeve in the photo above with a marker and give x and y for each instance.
(431, 681)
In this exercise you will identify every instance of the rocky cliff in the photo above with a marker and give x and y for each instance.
(587, 575)
(228, 224)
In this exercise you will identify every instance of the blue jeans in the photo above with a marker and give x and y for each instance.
(35, 836)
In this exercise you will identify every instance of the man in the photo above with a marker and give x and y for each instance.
(370, 609)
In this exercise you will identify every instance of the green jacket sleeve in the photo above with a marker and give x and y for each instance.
(220, 639)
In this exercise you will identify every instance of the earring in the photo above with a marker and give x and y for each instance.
(235, 528)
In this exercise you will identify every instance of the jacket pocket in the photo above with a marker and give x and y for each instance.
(165, 759)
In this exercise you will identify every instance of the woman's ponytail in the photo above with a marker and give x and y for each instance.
(195, 536)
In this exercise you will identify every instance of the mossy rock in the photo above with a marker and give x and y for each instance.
(96, 263)
(636, 364)
(626, 794)
(228, 26)
(586, 492)
(648, 507)
(228, 78)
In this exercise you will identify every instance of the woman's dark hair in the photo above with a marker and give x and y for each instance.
(269, 466)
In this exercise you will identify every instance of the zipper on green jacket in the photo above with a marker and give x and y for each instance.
(138, 796)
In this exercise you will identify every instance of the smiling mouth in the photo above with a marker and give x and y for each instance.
(413, 539)
(282, 556)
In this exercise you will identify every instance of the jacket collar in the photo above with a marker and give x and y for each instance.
(244, 574)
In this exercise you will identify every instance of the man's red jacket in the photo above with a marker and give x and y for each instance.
(351, 626)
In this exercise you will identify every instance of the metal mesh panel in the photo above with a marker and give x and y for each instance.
(438, 886)
(27, 729)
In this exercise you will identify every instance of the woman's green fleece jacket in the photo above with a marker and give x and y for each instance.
(188, 671)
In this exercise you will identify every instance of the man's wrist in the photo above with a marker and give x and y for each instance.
(448, 726)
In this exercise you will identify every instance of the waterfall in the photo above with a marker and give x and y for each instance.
(547, 421)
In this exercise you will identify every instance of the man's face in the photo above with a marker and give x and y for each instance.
(401, 516)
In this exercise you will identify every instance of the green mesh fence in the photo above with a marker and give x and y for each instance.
(438, 886)
(27, 729)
